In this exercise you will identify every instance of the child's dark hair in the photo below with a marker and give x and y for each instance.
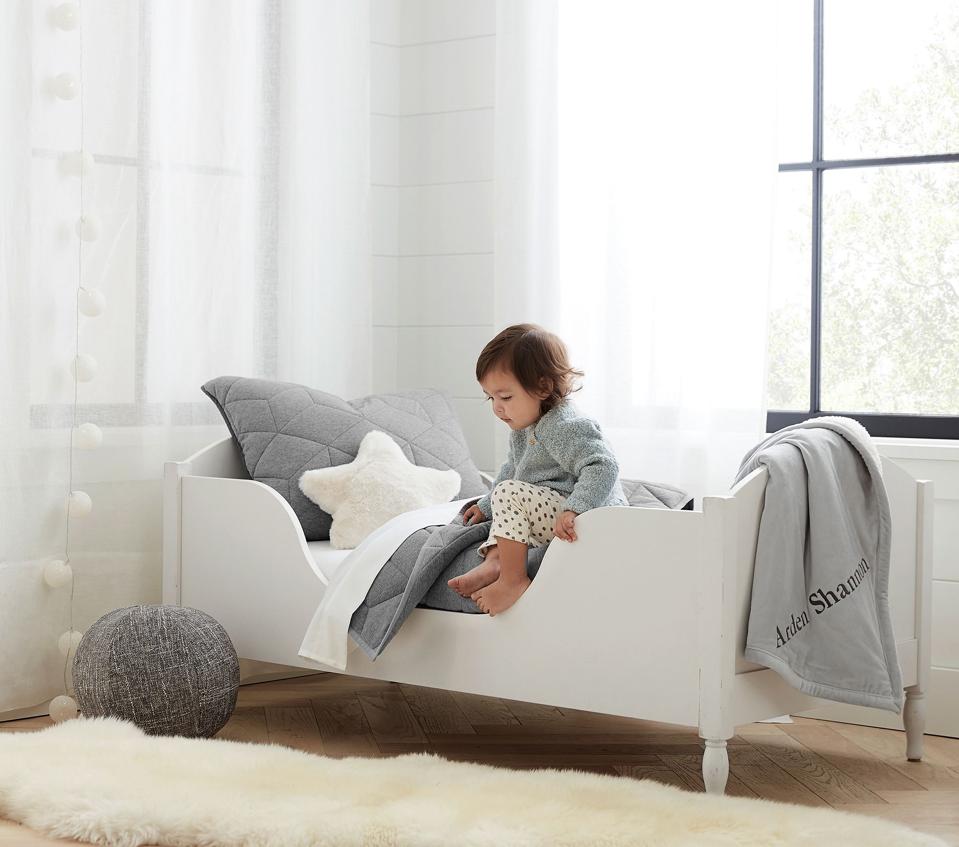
(537, 357)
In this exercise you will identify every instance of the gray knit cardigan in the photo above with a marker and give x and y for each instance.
(565, 451)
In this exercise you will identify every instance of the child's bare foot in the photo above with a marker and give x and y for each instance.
(481, 576)
(500, 595)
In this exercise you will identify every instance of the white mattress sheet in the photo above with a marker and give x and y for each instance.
(327, 638)
(327, 558)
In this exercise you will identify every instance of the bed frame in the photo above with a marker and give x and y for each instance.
(644, 616)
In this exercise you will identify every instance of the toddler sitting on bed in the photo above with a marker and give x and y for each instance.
(558, 466)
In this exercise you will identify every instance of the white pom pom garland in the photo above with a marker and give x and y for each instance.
(80, 504)
(63, 708)
(57, 573)
(84, 367)
(91, 302)
(89, 227)
(65, 86)
(68, 641)
(66, 16)
(89, 436)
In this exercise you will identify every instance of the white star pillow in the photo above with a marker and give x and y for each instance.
(379, 484)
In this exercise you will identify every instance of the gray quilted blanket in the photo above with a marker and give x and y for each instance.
(417, 572)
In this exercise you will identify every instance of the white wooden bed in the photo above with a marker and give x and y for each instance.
(644, 616)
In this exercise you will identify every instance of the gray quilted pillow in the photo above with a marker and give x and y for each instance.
(655, 495)
(285, 429)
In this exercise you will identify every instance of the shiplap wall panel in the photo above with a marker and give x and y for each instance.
(939, 462)
(945, 632)
(946, 541)
(384, 220)
(422, 21)
(445, 290)
(446, 147)
(384, 149)
(448, 219)
(442, 356)
(446, 76)
(475, 415)
(432, 122)
(385, 66)
(386, 293)
(385, 343)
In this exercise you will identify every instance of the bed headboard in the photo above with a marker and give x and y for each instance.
(220, 459)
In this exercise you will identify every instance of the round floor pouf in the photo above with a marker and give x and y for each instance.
(170, 670)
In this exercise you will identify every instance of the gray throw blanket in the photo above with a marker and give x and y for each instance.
(819, 613)
(417, 572)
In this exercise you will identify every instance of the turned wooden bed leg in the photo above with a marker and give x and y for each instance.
(914, 709)
(715, 766)
(914, 720)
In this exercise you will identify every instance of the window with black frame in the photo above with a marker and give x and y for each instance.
(865, 296)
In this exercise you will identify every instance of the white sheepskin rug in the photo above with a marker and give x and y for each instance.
(102, 780)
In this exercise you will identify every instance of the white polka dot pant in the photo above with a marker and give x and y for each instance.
(523, 512)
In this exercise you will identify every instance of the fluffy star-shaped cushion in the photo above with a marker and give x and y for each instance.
(377, 485)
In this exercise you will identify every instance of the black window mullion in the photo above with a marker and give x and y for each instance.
(835, 164)
(815, 312)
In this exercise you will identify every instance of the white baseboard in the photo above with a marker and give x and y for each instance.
(251, 672)
(37, 711)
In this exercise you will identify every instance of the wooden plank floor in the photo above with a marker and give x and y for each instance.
(814, 763)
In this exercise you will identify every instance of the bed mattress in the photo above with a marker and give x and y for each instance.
(638, 493)
(327, 557)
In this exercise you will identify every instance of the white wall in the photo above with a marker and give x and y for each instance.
(939, 461)
(431, 102)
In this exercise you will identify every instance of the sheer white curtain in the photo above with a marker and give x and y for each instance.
(635, 183)
(223, 190)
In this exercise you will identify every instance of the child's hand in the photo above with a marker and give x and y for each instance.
(474, 514)
(564, 526)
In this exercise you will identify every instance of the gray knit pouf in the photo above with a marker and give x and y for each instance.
(171, 670)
